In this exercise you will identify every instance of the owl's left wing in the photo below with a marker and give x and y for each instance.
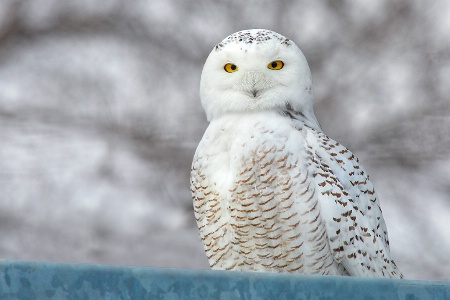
(349, 205)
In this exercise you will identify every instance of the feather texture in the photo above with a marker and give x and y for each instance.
(280, 196)
(271, 191)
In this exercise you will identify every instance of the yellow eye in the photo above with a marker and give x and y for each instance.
(230, 68)
(276, 65)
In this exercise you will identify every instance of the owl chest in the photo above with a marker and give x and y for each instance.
(248, 163)
(245, 166)
(255, 202)
(261, 185)
(255, 180)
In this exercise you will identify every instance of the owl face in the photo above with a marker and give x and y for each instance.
(255, 70)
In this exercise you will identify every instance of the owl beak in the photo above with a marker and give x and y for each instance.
(254, 78)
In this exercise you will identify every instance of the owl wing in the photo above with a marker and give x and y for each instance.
(349, 205)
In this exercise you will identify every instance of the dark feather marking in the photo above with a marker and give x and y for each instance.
(291, 113)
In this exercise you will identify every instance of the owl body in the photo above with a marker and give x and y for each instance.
(271, 191)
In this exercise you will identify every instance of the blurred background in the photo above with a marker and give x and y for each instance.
(100, 117)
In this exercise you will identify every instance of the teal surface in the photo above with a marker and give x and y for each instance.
(39, 280)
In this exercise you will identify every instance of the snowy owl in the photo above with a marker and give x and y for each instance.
(271, 191)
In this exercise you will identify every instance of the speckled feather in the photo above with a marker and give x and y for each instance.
(251, 36)
(273, 193)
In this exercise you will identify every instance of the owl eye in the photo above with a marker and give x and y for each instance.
(276, 65)
(230, 68)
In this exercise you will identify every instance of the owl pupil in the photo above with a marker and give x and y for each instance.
(233, 67)
(274, 64)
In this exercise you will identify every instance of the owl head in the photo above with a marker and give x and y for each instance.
(256, 70)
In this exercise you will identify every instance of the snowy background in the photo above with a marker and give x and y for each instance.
(100, 117)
